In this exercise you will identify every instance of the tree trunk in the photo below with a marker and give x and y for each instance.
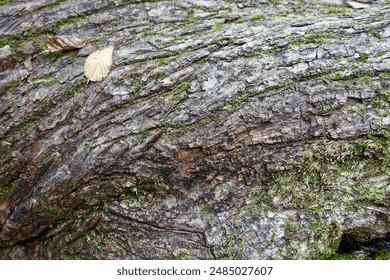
(226, 130)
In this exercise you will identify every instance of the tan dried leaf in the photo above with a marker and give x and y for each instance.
(358, 4)
(64, 43)
(98, 64)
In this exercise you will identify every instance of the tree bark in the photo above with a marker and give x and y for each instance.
(225, 130)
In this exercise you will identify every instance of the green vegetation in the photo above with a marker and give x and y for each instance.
(177, 93)
(321, 180)
(216, 27)
(49, 79)
(92, 240)
(279, 16)
(68, 20)
(74, 89)
(383, 255)
(52, 209)
(374, 32)
(16, 41)
(179, 88)
(206, 210)
(236, 102)
(4, 189)
(185, 253)
(54, 56)
(382, 98)
(232, 245)
(310, 36)
(258, 17)
(164, 61)
(275, 2)
(337, 8)
(5, 2)
(191, 19)
(290, 227)
(380, 54)
(36, 116)
(344, 75)
(15, 83)
(363, 57)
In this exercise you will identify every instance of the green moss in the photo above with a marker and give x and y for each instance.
(217, 27)
(49, 79)
(384, 75)
(132, 195)
(337, 9)
(325, 253)
(382, 98)
(290, 227)
(312, 184)
(5, 2)
(206, 210)
(178, 94)
(164, 61)
(318, 227)
(52, 209)
(252, 32)
(180, 88)
(346, 75)
(310, 36)
(185, 253)
(68, 20)
(329, 235)
(363, 57)
(241, 99)
(5, 117)
(49, 5)
(258, 17)
(16, 41)
(191, 19)
(229, 245)
(374, 32)
(16, 83)
(181, 51)
(380, 54)
(380, 18)
(4, 189)
(336, 256)
(70, 55)
(278, 16)
(91, 239)
(206, 119)
(75, 88)
(35, 117)
(383, 255)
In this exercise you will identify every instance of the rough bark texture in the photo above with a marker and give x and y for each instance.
(226, 129)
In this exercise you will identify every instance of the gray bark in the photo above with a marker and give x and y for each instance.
(226, 130)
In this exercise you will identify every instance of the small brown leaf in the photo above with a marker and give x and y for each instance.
(231, 18)
(64, 43)
(98, 64)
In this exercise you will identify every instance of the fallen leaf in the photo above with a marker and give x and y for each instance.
(231, 18)
(358, 5)
(64, 43)
(98, 64)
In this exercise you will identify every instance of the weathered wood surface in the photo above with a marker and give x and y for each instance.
(226, 129)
